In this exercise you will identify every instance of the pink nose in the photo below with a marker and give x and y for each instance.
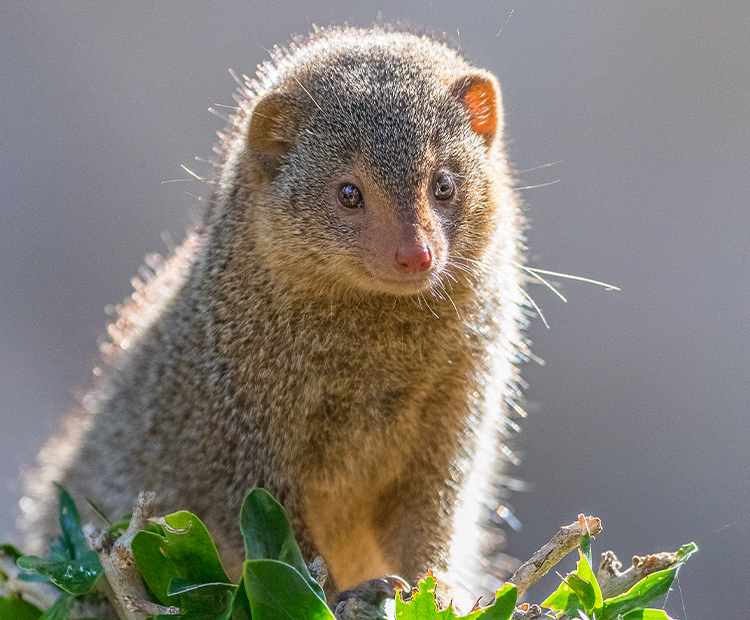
(413, 258)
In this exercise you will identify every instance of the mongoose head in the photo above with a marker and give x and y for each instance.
(369, 161)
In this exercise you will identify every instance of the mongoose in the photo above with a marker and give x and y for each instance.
(343, 329)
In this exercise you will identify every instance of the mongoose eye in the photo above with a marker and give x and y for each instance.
(349, 196)
(444, 186)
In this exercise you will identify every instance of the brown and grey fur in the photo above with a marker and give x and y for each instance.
(280, 348)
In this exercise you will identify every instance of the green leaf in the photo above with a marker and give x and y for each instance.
(240, 608)
(60, 609)
(277, 591)
(567, 597)
(423, 606)
(684, 552)
(586, 548)
(99, 512)
(12, 608)
(156, 568)
(558, 600)
(71, 545)
(579, 591)
(70, 564)
(647, 589)
(211, 601)
(33, 577)
(10, 551)
(422, 603)
(178, 586)
(505, 603)
(182, 567)
(592, 595)
(583, 590)
(74, 576)
(647, 614)
(268, 535)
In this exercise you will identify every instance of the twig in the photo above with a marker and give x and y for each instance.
(567, 539)
(123, 584)
(149, 608)
(613, 582)
(526, 611)
(319, 571)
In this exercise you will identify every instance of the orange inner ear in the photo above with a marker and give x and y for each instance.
(481, 104)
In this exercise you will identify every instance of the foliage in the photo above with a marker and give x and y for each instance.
(180, 565)
(423, 606)
(70, 565)
(579, 595)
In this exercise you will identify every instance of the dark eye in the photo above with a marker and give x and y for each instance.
(349, 196)
(444, 186)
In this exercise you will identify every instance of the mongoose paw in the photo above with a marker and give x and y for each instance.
(364, 602)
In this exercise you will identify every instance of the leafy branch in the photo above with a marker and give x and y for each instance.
(157, 568)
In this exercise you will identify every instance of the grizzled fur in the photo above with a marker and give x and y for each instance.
(279, 348)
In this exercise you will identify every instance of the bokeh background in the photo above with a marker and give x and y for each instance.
(628, 121)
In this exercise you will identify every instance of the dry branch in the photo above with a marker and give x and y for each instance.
(567, 539)
(613, 582)
(123, 585)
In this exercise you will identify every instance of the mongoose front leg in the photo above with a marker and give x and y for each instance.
(365, 600)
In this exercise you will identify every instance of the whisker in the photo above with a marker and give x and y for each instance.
(543, 281)
(607, 287)
(553, 163)
(449, 275)
(533, 303)
(428, 306)
(450, 299)
(506, 23)
(479, 265)
(538, 185)
(461, 266)
(191, 173)
(308, 92)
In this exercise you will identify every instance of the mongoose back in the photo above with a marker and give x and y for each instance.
(343, 329)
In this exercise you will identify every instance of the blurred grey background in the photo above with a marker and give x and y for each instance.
(643, 109)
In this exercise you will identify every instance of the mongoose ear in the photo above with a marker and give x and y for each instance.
(480, 97)
(272, 127)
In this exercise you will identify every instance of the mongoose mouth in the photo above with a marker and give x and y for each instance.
(408, 284)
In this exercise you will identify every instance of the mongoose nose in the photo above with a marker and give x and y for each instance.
(413, 259)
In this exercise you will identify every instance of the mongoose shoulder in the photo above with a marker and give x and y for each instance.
(343, 329)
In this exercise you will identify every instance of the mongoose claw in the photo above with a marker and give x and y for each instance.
(364, 602)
